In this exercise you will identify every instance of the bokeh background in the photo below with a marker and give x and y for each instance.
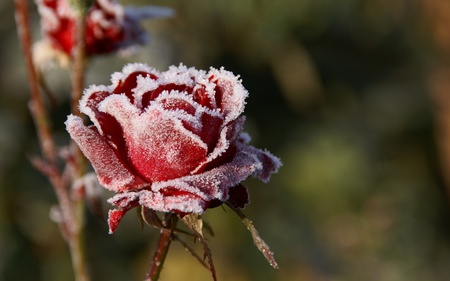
(352, 95)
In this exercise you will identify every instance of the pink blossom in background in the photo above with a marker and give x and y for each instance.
(170, 141)
(109, 26)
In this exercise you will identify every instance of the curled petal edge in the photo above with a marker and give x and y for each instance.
(111, 172)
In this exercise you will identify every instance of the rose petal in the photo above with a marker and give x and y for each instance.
(174, 100)
(159, 147)
(114, 218)
(130, 83)
(125, 201)
(183, 203)
(224, 149)
(269, 163)
(152, 95)
(210, 129)
(214, 183)
(111, 172)
(108, 127)
(230, 94)
(202, 97)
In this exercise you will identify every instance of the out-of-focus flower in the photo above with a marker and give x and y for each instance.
(109, 26)
(170, 141)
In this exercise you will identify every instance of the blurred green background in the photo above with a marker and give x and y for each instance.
(352, 95)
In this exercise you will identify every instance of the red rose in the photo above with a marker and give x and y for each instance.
(109, 26)
(170, 141)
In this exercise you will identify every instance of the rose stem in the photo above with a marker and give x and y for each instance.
(36, 104)
(165, 238)
(78, 67)
(39, 114)
(79, 56)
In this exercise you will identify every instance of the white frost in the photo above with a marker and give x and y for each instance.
(130, 68)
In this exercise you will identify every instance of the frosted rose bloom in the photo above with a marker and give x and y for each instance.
(109, 26)
(170, 141)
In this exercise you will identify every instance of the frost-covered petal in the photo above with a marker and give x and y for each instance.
(166, 202)
(269, 162)
(129, 69)
(229, 93)
(126, 201)
(215, 183)
(158, 146)
(211, 124)
(127, 86)
(111, 172)
(224, 148)
(174, 100)
(114, 218)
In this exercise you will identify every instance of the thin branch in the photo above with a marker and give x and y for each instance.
(37, 106)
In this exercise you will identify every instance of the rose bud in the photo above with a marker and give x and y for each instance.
(109, 26)
(170, 141)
